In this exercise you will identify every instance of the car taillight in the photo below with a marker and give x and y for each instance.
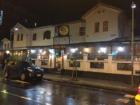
(138, 90)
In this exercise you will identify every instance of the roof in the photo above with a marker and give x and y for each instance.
(99, 5)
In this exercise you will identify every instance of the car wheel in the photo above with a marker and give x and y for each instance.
(23, 77)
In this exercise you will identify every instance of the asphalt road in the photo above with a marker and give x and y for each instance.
(53, 93)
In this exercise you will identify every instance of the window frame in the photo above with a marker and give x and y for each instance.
(34, 37)
(18, 37)
(45, 35)
(105, 26)
(21, 37)
(97, 27)
(82, 31)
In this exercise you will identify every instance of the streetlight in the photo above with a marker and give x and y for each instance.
(133, 6)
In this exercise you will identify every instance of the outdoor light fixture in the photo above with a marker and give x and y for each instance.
(133, 5)
(7, 52)
(120, 49)
(51, 51)
(73, 50)
(40, 50)
(33, 51)
(16, 29)
(102, 50)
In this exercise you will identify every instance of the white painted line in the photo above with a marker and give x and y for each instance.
(22, 97)
(6, 92)
(123, 100)
(129, 96)
(19, 81)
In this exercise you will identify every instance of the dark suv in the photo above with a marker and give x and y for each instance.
(23, 71)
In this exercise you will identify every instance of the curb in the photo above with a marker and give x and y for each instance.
(126, 90)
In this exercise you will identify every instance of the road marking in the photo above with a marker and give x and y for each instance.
(6, 92)
(129, 96)
(19, 81)
(22, 97)
(123, 100)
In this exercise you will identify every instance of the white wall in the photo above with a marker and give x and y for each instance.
(100, 14)
(6, 44)
(26, 40)
(40, 32)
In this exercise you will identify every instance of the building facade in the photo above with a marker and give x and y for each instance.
(98, 43)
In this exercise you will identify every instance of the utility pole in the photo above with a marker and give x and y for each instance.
(133, 6)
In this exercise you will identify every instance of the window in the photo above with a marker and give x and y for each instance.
(18, 37)
(76, 56)
(21, 37)
(8, 46)
(98, 65)
(97, 24)
(47, 35)
(82, 31)
(5, 46)
(74, 64)
(124, 66)
(105, 26)
(34, 36)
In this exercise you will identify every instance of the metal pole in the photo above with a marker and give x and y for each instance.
(132, 44)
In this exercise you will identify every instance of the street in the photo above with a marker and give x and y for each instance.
(53, 93)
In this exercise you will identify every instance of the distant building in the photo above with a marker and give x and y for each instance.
(6, 44)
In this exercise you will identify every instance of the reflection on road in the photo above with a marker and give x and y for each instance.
(52, 93)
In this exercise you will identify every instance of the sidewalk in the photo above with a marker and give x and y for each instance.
(103, 84)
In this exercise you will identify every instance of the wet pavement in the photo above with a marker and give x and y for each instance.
(54, 93)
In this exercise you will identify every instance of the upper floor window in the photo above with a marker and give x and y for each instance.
(105, 26)
(34, 36)
(21, 37)
(82, 31)
(97, 25)
(18, 36)
(47, 35)
(5, 45)
(8, 45)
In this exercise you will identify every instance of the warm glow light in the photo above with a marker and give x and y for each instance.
(87, 50)
(7, 52)
(44, 52)
(65, 56)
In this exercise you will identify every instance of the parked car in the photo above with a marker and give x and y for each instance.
(23, 71)
(137, 97)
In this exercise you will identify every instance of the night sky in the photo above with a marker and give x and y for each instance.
(46, 12)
